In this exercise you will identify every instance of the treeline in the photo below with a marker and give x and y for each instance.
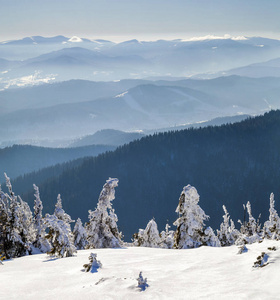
(23, 232)
(229, 164)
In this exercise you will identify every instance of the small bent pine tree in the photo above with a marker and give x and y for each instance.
(80, 235)
(60, 235)
(148, 237)
(102, 229)
(227, 233)
(271, 228)
(191, 232)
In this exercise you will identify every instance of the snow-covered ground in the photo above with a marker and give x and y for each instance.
(202, 273)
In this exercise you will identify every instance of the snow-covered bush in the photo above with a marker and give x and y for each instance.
(149, 237)
(102, 229)
(250, 232)
(80, 235)
(242, 249)
(191, 232)
(261, 260)
(60, 235)
(227, 234)
(271, 228)
(93, 264)
(142, 282)
(167, 238)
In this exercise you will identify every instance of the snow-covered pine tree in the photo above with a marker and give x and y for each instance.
(227, 234)
(26, 229)
(102, 229)
(60, 235)
(4, 223)
(250, 232)
(40, 242)
(80, 235)
(190, 231)
(17, 239)
(60, 213)
(271, 228)
(149, 237)
(167, 238)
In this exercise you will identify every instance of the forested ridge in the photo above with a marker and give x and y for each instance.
(229, 164)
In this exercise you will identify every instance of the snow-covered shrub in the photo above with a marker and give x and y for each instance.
(148, 237)
(60, 235)
(102, 229)
(80, 235)
(191, 232)
(261, 261)
(167, 238)
(250, 232)
(142, 282)
(242, 249)
(271, 228)
(227, 234)
(93, 264)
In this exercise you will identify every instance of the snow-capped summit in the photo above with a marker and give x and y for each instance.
(75, 39)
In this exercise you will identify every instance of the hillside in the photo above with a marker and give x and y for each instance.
(202, 273)
(77, 108)
(107, 137)
(21, 159)
(230, 165)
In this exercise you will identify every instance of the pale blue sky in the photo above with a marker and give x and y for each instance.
(142, 19)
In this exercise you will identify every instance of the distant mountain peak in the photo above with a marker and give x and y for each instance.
(75, 39)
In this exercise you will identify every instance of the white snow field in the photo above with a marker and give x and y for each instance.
(201, 273)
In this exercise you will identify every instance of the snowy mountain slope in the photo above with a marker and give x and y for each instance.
(202, 273)
(142, 107)
(78, 108)
(72, 91)
(269, 68)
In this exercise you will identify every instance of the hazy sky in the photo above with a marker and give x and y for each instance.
(142, 19)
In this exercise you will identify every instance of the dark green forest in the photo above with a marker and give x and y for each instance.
(21, 159)
(229, 164)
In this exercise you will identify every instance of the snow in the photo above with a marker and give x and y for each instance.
(201, 273)
(29, 80)
(215, 37)
(75, 39)
(121, 95)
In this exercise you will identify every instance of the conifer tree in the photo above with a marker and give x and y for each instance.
(149, 237)
(227, 233)
(271, 229)
(80, 235)
(60, 235)
(190, 231)
(40, 235)
(26, 228)
(4, 223)
(102, 229)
